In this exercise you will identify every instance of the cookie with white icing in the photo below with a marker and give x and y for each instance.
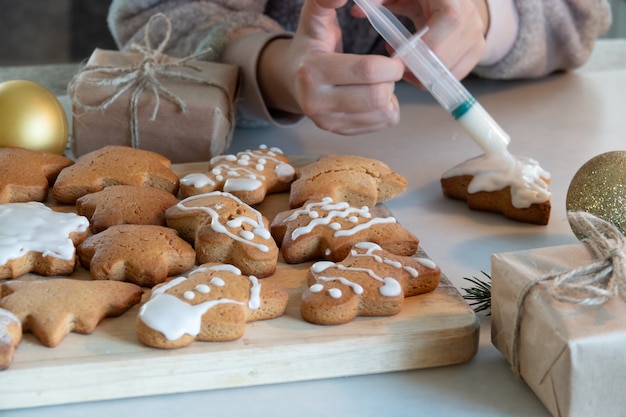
(125, 204)
(26, 175)
(369, 282)
(114, 165)
(516, 187)
(249, 175)
(34, 238)
(212, 304)
(10, 337)
(356, 180)
(145, 255)
(328, 230)
(224, 229)
(53, 307)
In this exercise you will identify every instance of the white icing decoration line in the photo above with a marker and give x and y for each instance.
(500, 170)
(258, 225)
(331, 211)
(7, 318)
(34, 227)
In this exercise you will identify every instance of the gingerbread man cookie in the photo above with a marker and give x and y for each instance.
(369, 282)
(212, 304)
(249, 175)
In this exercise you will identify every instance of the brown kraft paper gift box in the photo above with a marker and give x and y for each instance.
(198, 134)
(572, 356)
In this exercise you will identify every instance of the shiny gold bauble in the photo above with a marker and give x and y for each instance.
(599, 188)
(31, 117)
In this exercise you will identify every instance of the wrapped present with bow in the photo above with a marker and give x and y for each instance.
(182, 108)
(559, 318)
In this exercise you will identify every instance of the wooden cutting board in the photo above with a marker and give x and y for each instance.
(433, 329)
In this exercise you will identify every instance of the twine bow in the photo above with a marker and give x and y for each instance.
(592, 284)
(143, 75)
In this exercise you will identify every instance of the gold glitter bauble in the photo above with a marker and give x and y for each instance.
(31, 117)
(599, 188)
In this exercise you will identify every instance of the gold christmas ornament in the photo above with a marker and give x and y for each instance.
(599, 188)
(31, 117)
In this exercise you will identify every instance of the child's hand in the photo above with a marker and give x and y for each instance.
(342, 93)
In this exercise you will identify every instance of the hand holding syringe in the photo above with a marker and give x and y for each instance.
(437, 79)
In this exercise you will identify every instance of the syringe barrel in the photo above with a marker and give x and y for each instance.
(435, 77)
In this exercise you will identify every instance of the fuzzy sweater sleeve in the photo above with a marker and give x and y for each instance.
(553, 35)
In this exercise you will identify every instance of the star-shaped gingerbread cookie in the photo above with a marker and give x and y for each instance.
(356, 180)
(26, 175)
(328, 230)
(369, 282)
(54, 307)
(125, 204)
(222, 228)
(212, 304)
(113, 165)
(249, 175)
(145, 255)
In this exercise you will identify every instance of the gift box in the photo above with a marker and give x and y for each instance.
(558, 318)
(182, 109)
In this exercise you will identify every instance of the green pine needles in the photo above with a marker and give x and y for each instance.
(479, 295)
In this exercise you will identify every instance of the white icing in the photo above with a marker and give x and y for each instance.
(34, 227)
(175, 317)
(245, 170)
(324, 213)
(500, 170)
(259, 229)
(7, 319)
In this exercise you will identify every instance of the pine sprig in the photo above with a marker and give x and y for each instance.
(479, 296)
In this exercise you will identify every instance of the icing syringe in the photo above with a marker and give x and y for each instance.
(436, 78)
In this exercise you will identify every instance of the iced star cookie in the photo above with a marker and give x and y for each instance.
(369, 282)
(51, 308)
(222, 228)
(33, 238)
(145, 255)
(356, 180)
(26, 175)
(516, 187)
(249, 175)
(114, 165)
(125, 204)
(328, 230)
(212, 304)
(10, 337)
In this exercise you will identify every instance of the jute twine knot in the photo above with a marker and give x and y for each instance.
(592, 284)
(142, 75)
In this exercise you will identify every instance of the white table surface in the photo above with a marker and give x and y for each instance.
(562, 121)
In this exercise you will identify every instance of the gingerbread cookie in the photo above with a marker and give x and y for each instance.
(114, 165)
(145, 255)
(369, 282)
(10, 337)
(212, 304)
(222, 228)
(53, 307)
(249, 175)
(357, 180)
(26, 175)
(125, 204)
(328, 230)
(516, 187)
(33, 238)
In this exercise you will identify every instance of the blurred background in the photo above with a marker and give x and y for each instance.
(65, 31)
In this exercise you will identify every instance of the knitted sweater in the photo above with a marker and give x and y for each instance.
(552, 35)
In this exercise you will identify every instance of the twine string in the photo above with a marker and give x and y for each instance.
(592, 284)
(143, 76)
